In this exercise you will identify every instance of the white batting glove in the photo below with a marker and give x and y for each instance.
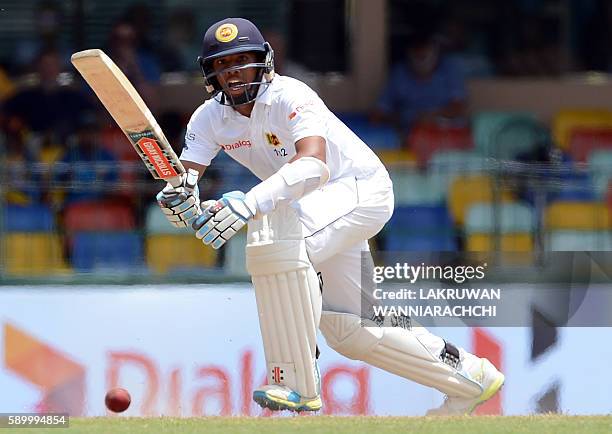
(220, 221)
(181, 205)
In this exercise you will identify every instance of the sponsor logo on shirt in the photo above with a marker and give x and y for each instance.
(272, 139)
(300, 108)
(238, 144)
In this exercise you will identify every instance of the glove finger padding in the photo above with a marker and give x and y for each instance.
(220, 220)
(204, 223)
(181, 205)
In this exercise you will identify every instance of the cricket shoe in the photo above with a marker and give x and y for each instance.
(484, 373)
(276, 397)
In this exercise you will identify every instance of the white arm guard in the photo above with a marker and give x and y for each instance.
(291, 182)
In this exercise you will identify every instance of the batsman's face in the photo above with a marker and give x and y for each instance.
(233, 78)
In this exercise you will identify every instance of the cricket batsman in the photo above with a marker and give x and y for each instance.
(323, 194)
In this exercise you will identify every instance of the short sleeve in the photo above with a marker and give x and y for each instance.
(305, 114)
(199, 144)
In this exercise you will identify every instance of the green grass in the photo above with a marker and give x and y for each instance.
(553, 424)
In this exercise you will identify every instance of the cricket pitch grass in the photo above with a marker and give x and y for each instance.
(541, 424)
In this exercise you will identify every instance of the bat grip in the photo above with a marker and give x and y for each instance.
(175, 181)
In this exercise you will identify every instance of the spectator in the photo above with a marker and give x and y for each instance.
(19, 180)
(466, 46)
(536, 51)
(7, 87)
(87, 167)
(139, 16)
(180, 46)
(284, 65)
(48, 22)
(427, 88)
(138, 64)
(140, 67)
(48, 107)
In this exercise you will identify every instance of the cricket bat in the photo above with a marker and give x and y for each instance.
(131, 113)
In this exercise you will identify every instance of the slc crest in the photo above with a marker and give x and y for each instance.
(272, 139)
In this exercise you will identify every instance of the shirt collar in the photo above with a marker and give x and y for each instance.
(227, 111)
(266, 93)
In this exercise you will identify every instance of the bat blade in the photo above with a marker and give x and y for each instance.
(130, 112)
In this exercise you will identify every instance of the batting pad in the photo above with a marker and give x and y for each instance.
(403, 352)
(288, 300)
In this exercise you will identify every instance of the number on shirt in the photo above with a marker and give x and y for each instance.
(282, 152)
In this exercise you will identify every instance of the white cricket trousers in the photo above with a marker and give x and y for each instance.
(341, 218)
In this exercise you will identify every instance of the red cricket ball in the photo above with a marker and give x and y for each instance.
(117, 400)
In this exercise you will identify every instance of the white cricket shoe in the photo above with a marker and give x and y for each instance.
(484, 373)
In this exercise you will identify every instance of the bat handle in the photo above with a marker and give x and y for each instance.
(175, 181)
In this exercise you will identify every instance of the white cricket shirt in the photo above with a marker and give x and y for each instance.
(283, 114)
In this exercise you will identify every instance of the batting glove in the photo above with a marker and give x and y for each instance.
(181, 205)
(220, 221)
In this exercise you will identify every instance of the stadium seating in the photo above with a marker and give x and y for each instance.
(29, 245)
(517, 242)
(443, 242)
(170, 249)
(505, 218)
(505, 135)
(444, 166)
(98, 216)
(566, 121)
(391, 157)
(578, 226)
(505, 227)
(600, 166)
(425, 140)
(411, 187)
(178, 252)
(568, 240)
(584, 141)
(573, 186)
(588, 216)
(107, 251)
(375, 136)
(101, 235)
(420, 228)
(28, 254)
(467, 190)
(30, 218)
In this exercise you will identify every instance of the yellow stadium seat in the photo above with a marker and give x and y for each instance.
(519, 242)
(7, 87)
(569, 119)
(166, 252)
(577, 216)
(467, 190)
(33, 254)
(395, 156)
